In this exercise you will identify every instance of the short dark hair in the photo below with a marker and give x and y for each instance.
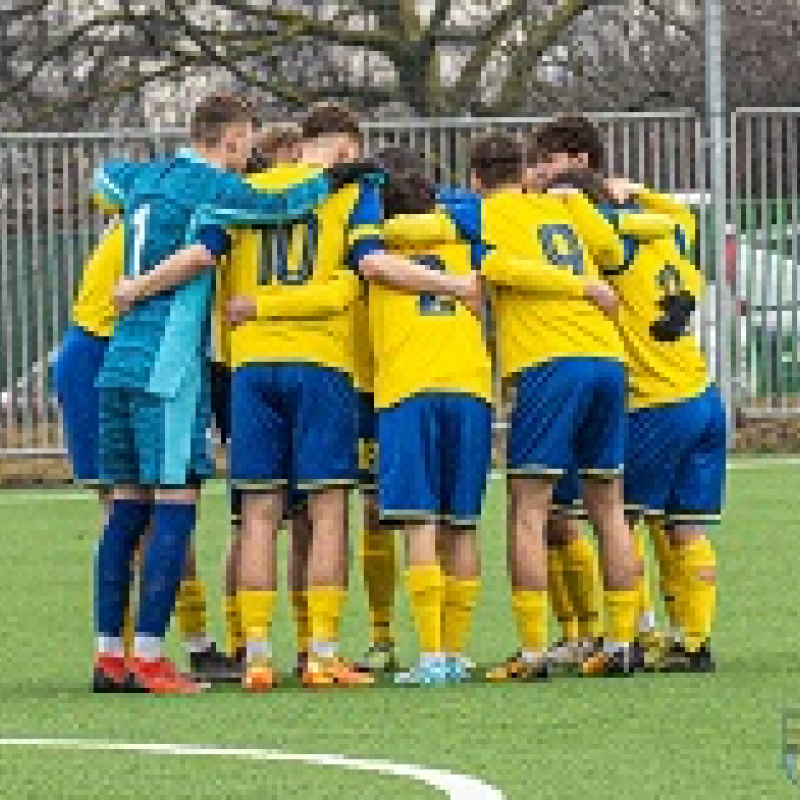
(573, 134)
(214, 113)
(588, 181)
(330, 119)
(269, 143)
(497, 159)
(408, 190)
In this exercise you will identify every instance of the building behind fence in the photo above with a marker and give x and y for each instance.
(48, 227)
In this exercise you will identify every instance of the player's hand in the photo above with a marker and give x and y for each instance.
(340, 175)
(240, 309)
(563, 190)
(125, 294)
(603, 296)
(470, 293)
(621, 189)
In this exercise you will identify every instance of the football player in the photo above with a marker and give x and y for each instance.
(433, 394)
(153, 403)
(562, 354)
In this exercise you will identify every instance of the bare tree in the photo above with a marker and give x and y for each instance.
(73, 62)
(66, 61)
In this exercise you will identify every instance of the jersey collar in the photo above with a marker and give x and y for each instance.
(195, 157)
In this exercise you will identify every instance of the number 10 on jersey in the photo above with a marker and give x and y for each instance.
(287, 253)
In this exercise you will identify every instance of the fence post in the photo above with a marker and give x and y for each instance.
(716, 124)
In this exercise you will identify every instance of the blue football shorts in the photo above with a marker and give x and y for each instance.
(434, 454)
(75, 371)
(569, 414)
(675, 460)
(293, 425)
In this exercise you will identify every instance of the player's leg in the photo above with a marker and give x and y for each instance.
(580, 575)
(546, 405)
(234, 634)
(128, 517)
(466, 458)
(667, 571)
(600, 449)
(527, 564)
(564, 596)
(171, 447)
(206, 660)
(648, 637)
(299, 552)
(379, 567)
(259, 467)
(75, 371)
(377, 550)
(409, 489)
(695, 501)
(324, 464)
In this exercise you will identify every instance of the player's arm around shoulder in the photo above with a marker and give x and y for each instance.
(383, 263)
(598, 232)
(176, 270)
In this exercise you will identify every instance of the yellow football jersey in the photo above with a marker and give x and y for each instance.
(424, 343)
(93, 309)
(658, 287)
(299, 279)
(363, 357)
(222, 331)
(545, 250)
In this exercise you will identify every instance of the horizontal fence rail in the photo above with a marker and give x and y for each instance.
(48, 227)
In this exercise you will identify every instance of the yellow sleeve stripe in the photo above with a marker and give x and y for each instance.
(364, 232)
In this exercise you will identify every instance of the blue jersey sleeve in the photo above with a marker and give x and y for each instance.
(364, 224)
(244, 206)
(214, 238)
(464, 209)
(114, 179)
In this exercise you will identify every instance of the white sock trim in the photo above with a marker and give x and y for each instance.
(148, 647)
(109, 645)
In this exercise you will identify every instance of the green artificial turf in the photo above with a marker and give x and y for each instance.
(653, 736)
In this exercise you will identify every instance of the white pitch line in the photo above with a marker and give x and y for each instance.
(454, 786)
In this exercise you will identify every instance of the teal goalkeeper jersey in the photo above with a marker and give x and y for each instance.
(161, 341)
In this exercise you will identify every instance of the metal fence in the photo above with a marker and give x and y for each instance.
(48, 227)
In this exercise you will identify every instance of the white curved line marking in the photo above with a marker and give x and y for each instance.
(455, 787)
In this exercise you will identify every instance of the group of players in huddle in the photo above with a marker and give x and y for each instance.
(352, 303)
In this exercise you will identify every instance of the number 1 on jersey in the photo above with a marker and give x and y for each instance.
(139, 230)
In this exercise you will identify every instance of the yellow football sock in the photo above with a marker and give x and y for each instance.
(234, 634)
(301, 621)
(325, 606)
(668, 570)
(560, 598)
(644, 604)
(379, 566)
(620, 607)
(190, 610)
(530, 610)
(582, 577)
(460, 597)
(256, 607)
(697, 597)
(426, 587)
(129, 626)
